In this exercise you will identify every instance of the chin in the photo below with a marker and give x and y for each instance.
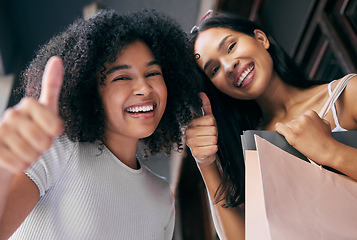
(144, 134)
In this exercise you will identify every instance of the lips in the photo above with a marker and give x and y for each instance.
(243, 75)
(141, 108)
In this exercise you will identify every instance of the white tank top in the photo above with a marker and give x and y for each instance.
(338, 127)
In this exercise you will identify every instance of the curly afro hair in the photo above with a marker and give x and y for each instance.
(87, 44)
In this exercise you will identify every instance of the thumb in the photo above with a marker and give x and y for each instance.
(52, 80)
(206, 104)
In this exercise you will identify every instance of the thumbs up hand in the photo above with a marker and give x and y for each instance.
(27, 130)
(202, 135)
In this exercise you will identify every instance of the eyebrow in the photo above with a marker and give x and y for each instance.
(155, 62)
(223, 42)
(123, 67)
(220, 45)
(206, 65)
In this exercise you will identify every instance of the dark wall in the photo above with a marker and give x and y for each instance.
(29, 24)
(284, 20)
(9, 47)
(25, 25)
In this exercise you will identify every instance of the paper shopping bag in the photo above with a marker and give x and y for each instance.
(248, 142)
(287, 198)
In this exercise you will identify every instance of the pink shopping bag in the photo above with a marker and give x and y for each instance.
(287, 198)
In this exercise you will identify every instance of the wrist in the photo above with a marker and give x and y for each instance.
(6, 178)
(334, 157)
(211, 160)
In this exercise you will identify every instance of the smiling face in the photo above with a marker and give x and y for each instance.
(237, 64)
(134, 95)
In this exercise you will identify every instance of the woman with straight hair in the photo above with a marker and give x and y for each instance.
(251, 83)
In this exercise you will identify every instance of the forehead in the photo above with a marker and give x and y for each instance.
(208, 41)
(136, 48)
(212, 37)
(135, 53)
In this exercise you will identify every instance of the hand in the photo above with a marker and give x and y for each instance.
(27, 130)
(202, 134)
(310, 135)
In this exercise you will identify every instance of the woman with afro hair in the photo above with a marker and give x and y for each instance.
(68, 150)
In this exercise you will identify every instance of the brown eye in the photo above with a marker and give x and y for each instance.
(231, 47)
(214, 71)
(119, 78)
(152, 74)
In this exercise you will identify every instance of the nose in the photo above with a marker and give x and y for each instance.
(229, 65)
(141, 87)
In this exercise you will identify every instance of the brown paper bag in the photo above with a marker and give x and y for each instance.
(287, 198)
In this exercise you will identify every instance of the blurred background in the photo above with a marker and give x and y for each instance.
(320, 35)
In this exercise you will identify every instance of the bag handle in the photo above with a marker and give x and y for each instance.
(335, 94)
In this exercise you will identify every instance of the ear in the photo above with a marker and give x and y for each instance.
(260, 36)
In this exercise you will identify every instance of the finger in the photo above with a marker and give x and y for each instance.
(19, 147)
(203, 153)
(10, 162)
(311, 113)
(50, 123)
(314, 116)
(202, 141)
(202, 121)
(317, 119)
(35, 137)
(283, 129)
(207, 161)
(28, 130)
(201, 131)
(206, 104)
(51, 83)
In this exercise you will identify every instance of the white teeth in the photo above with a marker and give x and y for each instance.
(137, 109)
(244, 75)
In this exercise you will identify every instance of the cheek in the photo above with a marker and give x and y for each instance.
(264, 56)
(162, 92)
(113, 102)
(267, 66)
(220, 82)
(164, 95)
(268, 60)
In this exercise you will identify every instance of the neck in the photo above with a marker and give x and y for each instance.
(124, 149)
(279, 99)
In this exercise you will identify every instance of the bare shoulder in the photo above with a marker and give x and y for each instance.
(349, 97)
(352, 84)
(350, 91)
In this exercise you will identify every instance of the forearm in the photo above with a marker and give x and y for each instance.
(343, 158)
(18, 201)
(5, 183)
(229, 222)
